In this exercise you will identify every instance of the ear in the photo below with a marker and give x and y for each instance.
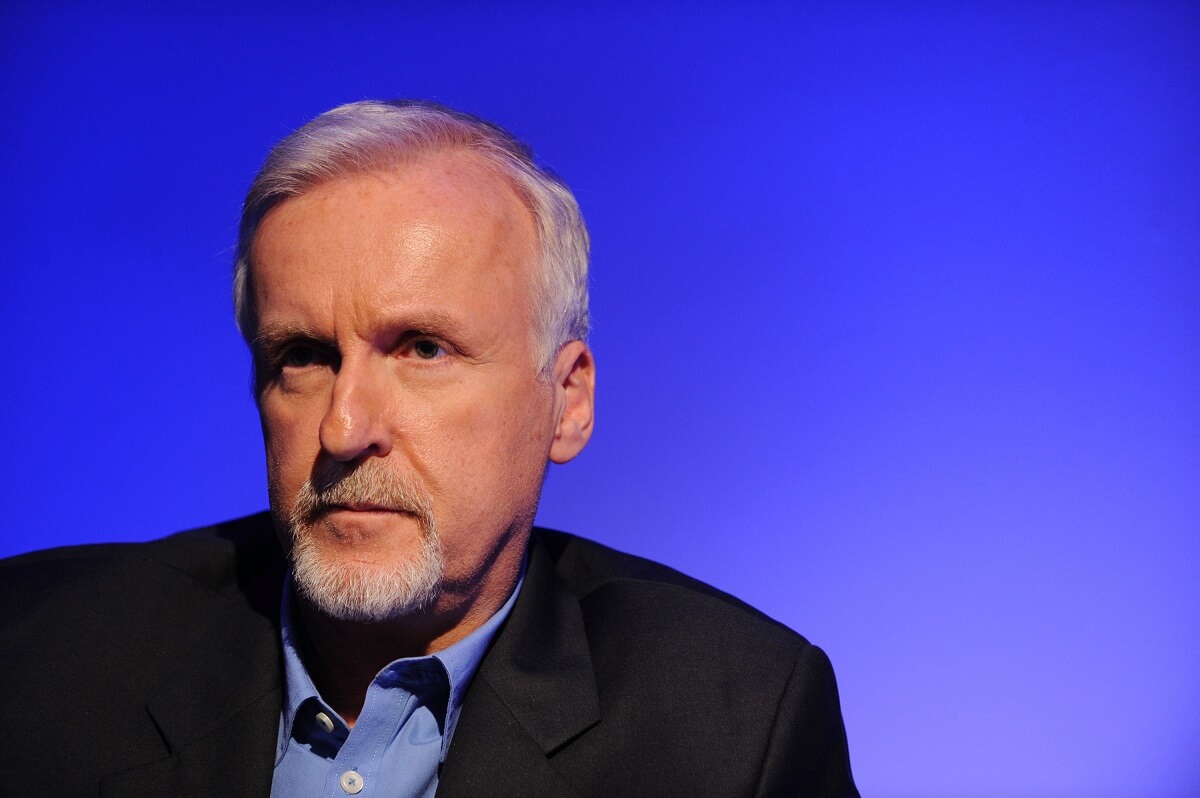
(574, 400)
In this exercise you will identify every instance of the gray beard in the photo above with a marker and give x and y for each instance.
(354, 591)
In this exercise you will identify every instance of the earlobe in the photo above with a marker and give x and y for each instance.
(575, 397)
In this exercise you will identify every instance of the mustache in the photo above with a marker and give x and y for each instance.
(335, 484)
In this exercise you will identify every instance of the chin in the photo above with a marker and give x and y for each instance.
(353, 590)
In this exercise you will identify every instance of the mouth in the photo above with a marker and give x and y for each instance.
(361, 496)
(363, 507)
(350, 520)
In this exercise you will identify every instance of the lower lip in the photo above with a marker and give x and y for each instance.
(346, 526)
(366, 511)
(345, 516)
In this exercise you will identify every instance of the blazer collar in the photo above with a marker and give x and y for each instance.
(534, 693)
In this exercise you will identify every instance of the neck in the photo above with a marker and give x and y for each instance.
(343, 657)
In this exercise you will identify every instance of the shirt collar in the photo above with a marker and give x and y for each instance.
(460, 661)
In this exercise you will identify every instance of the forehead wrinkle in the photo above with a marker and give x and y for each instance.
(503, 223)
(501, 228)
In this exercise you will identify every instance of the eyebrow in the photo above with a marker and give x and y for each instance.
(272, 336)
(427, 321)
(433, 322)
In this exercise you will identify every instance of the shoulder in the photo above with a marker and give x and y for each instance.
(82, 599)
(698, 692)
(91, 635)
(205, 552)
(208, 558)
(655, 634)
(643, 592)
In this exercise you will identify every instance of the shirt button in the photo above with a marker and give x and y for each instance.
(352, 783)
(325, 721)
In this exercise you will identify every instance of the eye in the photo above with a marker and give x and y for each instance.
(426, 349)
(298, 356)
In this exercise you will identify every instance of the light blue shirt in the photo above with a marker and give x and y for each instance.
(403, 732)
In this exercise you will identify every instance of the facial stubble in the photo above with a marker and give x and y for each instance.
(352, 588)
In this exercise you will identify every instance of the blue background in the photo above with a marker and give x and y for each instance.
(896, 313)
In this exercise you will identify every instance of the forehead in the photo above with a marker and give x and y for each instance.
(442, 221)
(456, 189)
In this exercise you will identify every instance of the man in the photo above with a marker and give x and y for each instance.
(413, 290)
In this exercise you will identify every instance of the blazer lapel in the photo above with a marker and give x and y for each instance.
(534, 693)
(219, 717)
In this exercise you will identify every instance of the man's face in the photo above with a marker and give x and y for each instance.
(395, 355)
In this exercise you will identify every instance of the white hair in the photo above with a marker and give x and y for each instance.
(375, 135)
(349, 588)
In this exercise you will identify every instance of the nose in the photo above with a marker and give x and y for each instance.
(355, 425)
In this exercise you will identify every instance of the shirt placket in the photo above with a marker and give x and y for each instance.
(405, 707)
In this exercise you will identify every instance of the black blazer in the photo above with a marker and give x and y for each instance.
(155, 670)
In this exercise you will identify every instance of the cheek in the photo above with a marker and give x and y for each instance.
(291, 444)
(505, 439)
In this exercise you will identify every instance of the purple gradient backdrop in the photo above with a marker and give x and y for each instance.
(896, 316)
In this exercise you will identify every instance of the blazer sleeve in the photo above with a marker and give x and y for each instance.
(807, 753)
